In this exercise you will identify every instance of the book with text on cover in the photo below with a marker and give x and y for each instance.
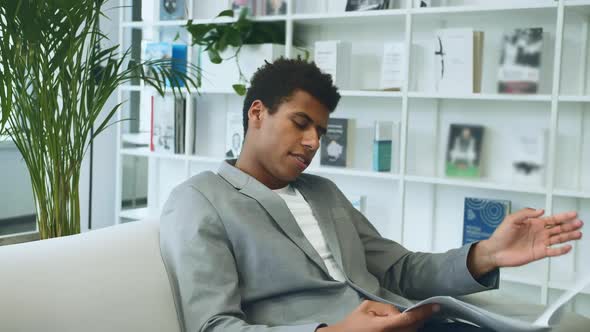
(464, 149)
(481, 217)
(336, 144)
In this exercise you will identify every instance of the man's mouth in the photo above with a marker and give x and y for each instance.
(301, 161)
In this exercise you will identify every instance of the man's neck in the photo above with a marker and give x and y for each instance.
(255, 169)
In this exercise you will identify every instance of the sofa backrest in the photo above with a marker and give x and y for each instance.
(112, 279)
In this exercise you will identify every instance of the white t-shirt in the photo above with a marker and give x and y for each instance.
(310, 228)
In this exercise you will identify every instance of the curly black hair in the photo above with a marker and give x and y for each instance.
(274, 83)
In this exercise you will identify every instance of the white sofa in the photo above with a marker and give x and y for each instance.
(112, 279)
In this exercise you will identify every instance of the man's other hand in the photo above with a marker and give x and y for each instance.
(373, 316)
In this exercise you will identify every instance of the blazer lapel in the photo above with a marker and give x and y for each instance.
(317, 201)
(274, 205)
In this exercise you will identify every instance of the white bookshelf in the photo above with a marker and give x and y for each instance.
(416, 204)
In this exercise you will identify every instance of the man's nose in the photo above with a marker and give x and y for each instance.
(311, 140)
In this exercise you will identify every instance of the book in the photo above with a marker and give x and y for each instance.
(392, 66)
(172, 10)
(481, 217)
(520, 61)
(385, 134)
(528, 156)
(458, 60)
(163, 127)
(274, 7)
(422, 3)
(453, 308)
(358, 5)
(176, 52)
(464, 150)
(234, 135)
(336, 144)
(333, 57)
(179, 124)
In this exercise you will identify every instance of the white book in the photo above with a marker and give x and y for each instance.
(333, 57)
(453, 59)
(392, 66)
(234, 135)
(163, 133)
(528, 157)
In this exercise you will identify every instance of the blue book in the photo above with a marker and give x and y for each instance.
(162, 50)
(481, 217)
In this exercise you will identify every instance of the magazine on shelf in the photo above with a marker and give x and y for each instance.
(481, 217)
(520, 61)
(234, 135)
(392, 66)
(359, 5)
(333, 57)
(457, 309)
(163, 133)
(464, 150)
(336, 144)
(528, 156)
(458, 60)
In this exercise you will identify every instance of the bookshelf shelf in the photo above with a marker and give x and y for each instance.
(475, 184)
(572, 193)
(520, 280)
(530, 8)
(375, 16)
(353, 172)
(137, 213)
(574, 99)
(482, 96)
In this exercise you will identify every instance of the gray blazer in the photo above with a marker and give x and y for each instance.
(238, 261)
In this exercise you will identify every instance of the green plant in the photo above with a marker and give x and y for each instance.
(215, 38)
(54, 83)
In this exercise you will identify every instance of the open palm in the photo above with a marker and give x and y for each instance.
(526, 236)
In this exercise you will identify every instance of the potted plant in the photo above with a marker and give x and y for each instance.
(54, 83)
(225, 41)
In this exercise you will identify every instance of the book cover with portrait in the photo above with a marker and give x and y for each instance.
(520, 61)
(481, 217)
(464, 151)
(234, 135)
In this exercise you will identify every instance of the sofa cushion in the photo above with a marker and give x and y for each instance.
(112, 279)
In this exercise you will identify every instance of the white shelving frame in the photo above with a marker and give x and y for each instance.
(402, 178)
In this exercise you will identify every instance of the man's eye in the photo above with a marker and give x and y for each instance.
(300, 124)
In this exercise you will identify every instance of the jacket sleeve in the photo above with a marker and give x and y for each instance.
(418, 275)
(201, 267)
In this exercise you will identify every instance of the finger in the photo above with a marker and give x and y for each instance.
(560, 218)
(557, 251)
(383, 309)
(524, 214)
(564, 237)
(566, 227)
(414, 316)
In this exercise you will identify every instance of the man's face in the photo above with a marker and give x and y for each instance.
(288, 139)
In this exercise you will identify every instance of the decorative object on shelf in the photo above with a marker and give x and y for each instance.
(481, 217)
(215, 38)
(520, 61)
(464, 150)
(275, 7)
(528, 156)
(337, 144)
(359, 5)
(172, 10)
(422, 3)
(333, 57)
(175, 52)
(358, 201)
(392, 67)
(458, 60)
(382, 146)
(234, 135)
(56, 82)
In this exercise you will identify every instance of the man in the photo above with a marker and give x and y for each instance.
(261, 247)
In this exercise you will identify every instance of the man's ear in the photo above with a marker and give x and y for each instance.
(256, 114)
